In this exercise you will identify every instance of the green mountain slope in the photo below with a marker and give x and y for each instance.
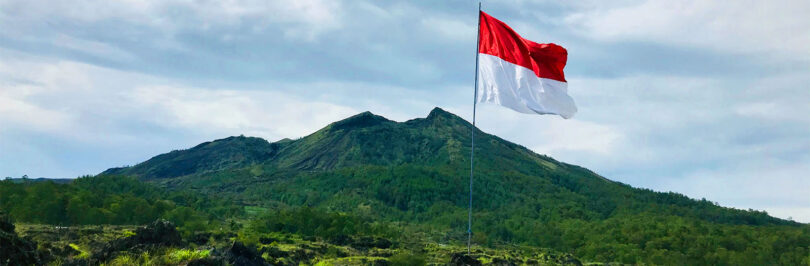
(416, 172)
(367, 151)
(228, 153)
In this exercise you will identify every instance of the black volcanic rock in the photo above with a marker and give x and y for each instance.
(367, 242)
(159, 233)
(239, 254)
(461, 259)
(5, 224)
(15, 250)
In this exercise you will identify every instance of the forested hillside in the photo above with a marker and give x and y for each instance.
(114, 200)
(372, 176)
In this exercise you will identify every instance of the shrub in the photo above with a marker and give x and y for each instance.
(407, 258)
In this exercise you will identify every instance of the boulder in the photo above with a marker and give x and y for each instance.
(301, 255)
(157, 234)
(200, 238)
(206, 262)
(502, 262)
(569, 259)
(275, 252)
(380, 262)
(461, 259)
(267, 240)
(341, 240)
(5, 223)
(160, 232)
(562, 259)
(15, 250)
(239, 254)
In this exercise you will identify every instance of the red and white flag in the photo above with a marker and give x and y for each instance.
(521, 74)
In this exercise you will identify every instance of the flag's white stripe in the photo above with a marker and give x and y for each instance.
(518, 88)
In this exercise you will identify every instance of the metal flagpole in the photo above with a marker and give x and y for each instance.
(472, 134)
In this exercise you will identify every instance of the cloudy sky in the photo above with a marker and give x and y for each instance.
(706, 98)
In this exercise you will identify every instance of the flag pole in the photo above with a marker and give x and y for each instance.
(472, 132)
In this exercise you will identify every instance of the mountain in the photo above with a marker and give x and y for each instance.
(435, 149)
(416, 172)
(358, 140)
(228, 153)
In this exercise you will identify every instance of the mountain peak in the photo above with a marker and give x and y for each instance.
(361, 120)
(232, 139)
(438, 112)
(440, 115)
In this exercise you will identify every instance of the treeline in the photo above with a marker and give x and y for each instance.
(307, 221)
(652, 238)
(108, 200)
(649, 228)
(608, 223)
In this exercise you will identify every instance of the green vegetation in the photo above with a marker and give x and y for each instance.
(115, 200)
(179, 256)
(367, 178)
(406, 259)
(313, 222)
(229, 153)
(83, 254)
(276, 248)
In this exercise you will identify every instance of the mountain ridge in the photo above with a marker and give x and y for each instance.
(437, 144)
(239, 151)
(436, 118)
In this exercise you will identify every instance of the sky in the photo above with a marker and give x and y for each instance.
(710, 99)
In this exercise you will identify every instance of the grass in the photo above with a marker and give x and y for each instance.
(254, 210)
(171, 256)
(125, 260)
(178, 256)
(128, 233)
(356, 260)
(407, 258)
(82, 253)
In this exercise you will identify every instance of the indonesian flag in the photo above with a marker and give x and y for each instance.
(521, 74)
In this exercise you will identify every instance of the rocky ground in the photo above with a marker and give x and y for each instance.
(159, 243)
(15, 250)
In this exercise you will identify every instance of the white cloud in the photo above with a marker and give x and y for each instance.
(94, 48)
(547, 134)
(756, 27)
(268, 114)
(16, 112)
(778, 98)
(450, 29)
(304, 19)
(22, 81)
(90, 104)
(777, 186)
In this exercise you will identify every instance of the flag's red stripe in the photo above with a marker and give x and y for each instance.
(547, 60)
